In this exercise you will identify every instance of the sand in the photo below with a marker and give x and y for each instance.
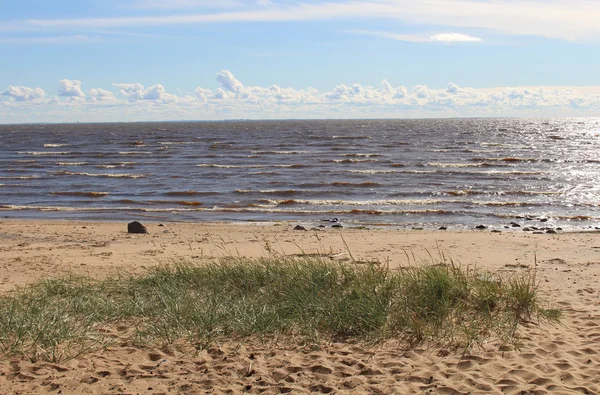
(555, 359)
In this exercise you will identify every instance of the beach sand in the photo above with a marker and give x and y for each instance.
(553, 358)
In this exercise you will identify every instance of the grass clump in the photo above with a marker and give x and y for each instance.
(310, 298)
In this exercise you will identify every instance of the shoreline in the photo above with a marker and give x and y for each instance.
(552, 358)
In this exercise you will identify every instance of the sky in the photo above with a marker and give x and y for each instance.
(149, 60)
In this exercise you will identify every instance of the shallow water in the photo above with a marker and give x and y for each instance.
(458, 173)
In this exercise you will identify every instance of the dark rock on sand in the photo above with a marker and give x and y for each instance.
(481, 227)
(515, 225)
(337, 226)
(299, 227)
(551, 231)
(136, 227)
(496, 231)
(443, 228)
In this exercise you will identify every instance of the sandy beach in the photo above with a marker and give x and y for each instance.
(553, 358)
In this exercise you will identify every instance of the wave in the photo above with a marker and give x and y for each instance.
(114, 165)
(396, 202)
(19, 177)
(128, 153)
(382, 202)
(288, 211)
(515, 172)
(500, 193)
(213, 165)
(106, 175)
(347, 160)
(293, 166)
(46, 153)
(71, 163)
(190, 193)
(374, 171)
(436, 164)
(178, 202)
(363, 155)
(54, 145)
(271, 191)
(279, 152)
(510, 159)
(87, 194)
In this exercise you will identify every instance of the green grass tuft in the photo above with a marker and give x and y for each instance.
(306, 297)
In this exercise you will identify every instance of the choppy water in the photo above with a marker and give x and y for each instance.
(458, 173)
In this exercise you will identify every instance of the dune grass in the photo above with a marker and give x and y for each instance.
(308, 298)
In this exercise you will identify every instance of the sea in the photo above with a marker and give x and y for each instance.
(426, 173)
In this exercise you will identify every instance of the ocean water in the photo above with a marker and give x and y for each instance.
(457, 173)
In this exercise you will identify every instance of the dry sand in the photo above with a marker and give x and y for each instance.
(553, 359)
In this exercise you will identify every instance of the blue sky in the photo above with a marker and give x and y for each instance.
(126, 60)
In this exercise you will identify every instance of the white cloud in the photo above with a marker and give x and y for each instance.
(135, 92)
(228, 81)
(453, 38)
(236, 100)
(70, 88)
(421, 91)
(23, 93)
(446, 38)
(452, 88)
(97, 94)
(575, 20)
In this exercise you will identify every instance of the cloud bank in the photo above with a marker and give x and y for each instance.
(234, 100)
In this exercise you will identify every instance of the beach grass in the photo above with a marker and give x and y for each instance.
(306, 298)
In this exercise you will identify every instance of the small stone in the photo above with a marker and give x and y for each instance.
(161, 225)
(299, 227)
(515, 225)
(481, 227)
(496, 231)
(443, 228)
(337, 226)
(527, 229)
(544, 220)
(136, 227)
(551, 231)
(558, 228)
